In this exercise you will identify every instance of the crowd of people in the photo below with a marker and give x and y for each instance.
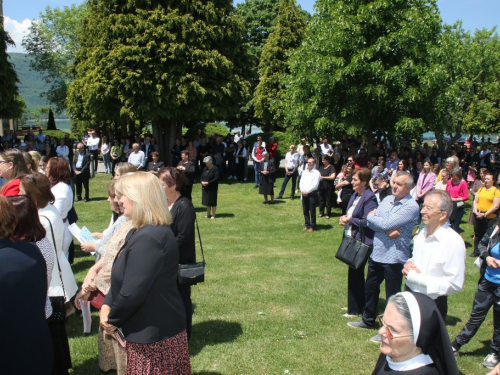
(383, 193)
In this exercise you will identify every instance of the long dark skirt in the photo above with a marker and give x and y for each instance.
(265, 187)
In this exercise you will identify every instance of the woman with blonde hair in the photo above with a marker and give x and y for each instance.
(123, 168)
(35, 156)
(143, 300)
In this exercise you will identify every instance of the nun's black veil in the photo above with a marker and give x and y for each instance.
(433, 337)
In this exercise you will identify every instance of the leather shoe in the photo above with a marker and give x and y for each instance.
(310, 230)
(474, 255)
(359, 324)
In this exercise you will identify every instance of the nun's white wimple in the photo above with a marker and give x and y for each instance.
(414, 313)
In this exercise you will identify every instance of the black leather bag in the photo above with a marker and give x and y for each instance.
(354, 252)
(194, 273)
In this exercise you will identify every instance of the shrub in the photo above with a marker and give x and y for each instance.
(210, 129)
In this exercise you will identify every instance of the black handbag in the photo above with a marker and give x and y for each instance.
(194, 273)
(354, 252)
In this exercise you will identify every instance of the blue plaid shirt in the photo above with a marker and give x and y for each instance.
(392, 215)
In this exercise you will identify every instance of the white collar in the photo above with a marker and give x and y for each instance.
(420, 360)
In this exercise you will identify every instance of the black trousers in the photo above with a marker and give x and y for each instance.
(82, 179)
(240, 169)
(481, 226)
(309, 204)
(487, 295)
(355, 291)
(187, 190)
(96, 162)
(325, 201)
(378, 272)
(185, 292)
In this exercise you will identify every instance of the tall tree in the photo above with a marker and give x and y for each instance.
(52, 44)
(360, 67)
(10, 104)
(286, 36)
(159, 61)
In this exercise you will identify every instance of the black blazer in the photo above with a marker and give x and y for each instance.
(85, 165)
(143, 297)
(183, 217)
(25, 343)
(151, 148)
(271, 177)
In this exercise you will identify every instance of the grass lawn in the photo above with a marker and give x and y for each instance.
(272, 298)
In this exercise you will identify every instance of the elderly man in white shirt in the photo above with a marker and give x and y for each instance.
(438, 264)
(309, 182)
(137, 158)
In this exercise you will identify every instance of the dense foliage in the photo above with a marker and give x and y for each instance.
(10, 105)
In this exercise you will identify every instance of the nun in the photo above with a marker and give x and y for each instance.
(414, 338)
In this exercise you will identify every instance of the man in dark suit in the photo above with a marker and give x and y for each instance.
(148, 148)
(81, 166)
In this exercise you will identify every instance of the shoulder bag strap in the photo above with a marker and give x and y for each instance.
(199, 238)
(57, 258)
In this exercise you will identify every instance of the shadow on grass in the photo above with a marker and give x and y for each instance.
(218, 216)
(452, 320)
(213, 332)
(83, 264)
(90, 366)
(323, 226)
(482, 351)
(96, 199)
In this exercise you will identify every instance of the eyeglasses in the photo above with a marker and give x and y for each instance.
(388, 331)
(4, 161)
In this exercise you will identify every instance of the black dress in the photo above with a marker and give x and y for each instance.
(267, 181)
(325, 190)
(346, 194)
(209, 192)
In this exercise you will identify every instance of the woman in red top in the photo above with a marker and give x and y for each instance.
(12, 167)
(459, 192)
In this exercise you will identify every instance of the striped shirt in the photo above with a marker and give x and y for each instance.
(390, 216)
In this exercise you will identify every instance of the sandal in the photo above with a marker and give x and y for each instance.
(213, 217)
(207, 216)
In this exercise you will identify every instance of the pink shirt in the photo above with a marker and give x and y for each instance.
(458, 191)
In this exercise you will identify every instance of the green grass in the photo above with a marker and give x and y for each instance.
(272, 295)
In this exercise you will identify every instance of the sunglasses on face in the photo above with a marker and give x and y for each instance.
(388, 331)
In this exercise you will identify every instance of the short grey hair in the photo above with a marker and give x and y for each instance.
(456, 172)
(399, 302)
(445, 203)
(409, 178)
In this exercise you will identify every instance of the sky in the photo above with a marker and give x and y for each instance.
(475, 14)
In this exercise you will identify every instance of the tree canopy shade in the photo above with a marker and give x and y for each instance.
(360, 67)
(159, 60)
(52, 44)
(286, 36)
(10, 104)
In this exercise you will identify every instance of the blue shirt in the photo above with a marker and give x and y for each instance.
(493, 274)
(390, 216)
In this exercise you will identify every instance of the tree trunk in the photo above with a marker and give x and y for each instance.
(440, 143)
(131, 127)
(165, 132)
(123, 128)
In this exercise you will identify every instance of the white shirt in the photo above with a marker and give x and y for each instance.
(93, 143)
(325, 150)
(41, 137)
(63, 151)
(440, 258)
(292, 160)
(137, 158)
(309, 180)
(55, 289)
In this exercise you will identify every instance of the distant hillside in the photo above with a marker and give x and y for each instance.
(32, 84)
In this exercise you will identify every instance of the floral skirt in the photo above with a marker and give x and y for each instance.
(166, 357)
(112, 355)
